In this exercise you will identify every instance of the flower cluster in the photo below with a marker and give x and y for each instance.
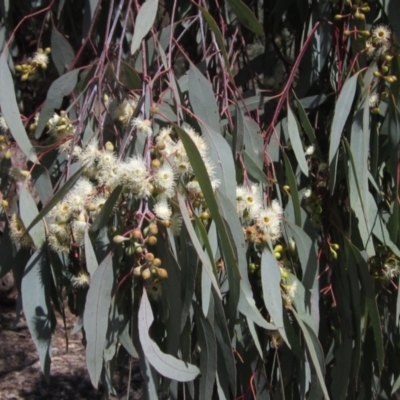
(260, 222)
(29, 70)
(379, 44)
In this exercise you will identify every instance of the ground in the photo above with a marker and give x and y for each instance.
(20, 374)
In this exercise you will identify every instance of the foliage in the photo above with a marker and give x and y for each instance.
(212, 188)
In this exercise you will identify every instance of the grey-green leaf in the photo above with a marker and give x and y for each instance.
(143, 23)
(296, 142)
(61, 87)
(61, 51)
(35, 289)
(167, 365)
(95, 317)
(10, 111)
(28, 213)
(342, 110)
(246, 17)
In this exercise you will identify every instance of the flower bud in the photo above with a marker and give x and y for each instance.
(130, 250)
(277, 255)
(47, 50)
(388, 57)
(156, 262)
(339, 17)
(109, 146)
(167, 224)
(161, 146)
(153, 109)
(278, 247)
(136, 234)
(151, 240)
(146, 274)
(149, 257)
(137, 271)
(119, 239)
(155, 164)
(4, 203)
(346, 32)
(359, 16)
(153, 229)
(205, 215)
(138, 249)
(162, 273)
(385, 69)
(24, 77)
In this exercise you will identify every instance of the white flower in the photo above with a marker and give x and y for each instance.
(40, 58)
(307, 193)
(143, 125)
(291, 290)
(310, 150)
(164, 176)
(162, 210)
(373, 100)
(268, 221)
(276, 207)
(89, 155)
(176, 224)
(136, 170)
(381, 35)
(370, 49)
(248, 201)
(106, 160)
(198, 140)
(82, 280)
(84, 187)
(123, 111)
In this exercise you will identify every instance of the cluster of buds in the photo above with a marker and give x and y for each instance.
(29, 70)
(356, 11)
(150, 269)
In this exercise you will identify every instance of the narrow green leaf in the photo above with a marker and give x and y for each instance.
(295, 140)
(10, 111)
(270, 281)
(253, 142)
(202, 100)
(167, 365)
(35, 289)
(130, 77)
(126, 341)
(238, 132)
(218, 36)
(253, 169)
(61, 87)
(208, 354)
(95, 317)
(246, 17)
(143, 23)
(105, 213)
(90, 256)
(61, 51)
(222, 227)
(29, 212)
(314, 347)
(207, 268)
(294, 193)
(342, 111)
(56, 199)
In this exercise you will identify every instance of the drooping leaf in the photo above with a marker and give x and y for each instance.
(56, 198)
(61, 87)
(246, 17)
(342, 111)
(106, 211)
(95, 317)
(10, 111)
(143, 23)
(207, 268)
(61, 51)
(208, 355)
(167, 365)
(296, 142)
(28, 213)
(270, 280)
(202, 99)
(218, 36)
(316, 353)
(35, 289)
(90, 256)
